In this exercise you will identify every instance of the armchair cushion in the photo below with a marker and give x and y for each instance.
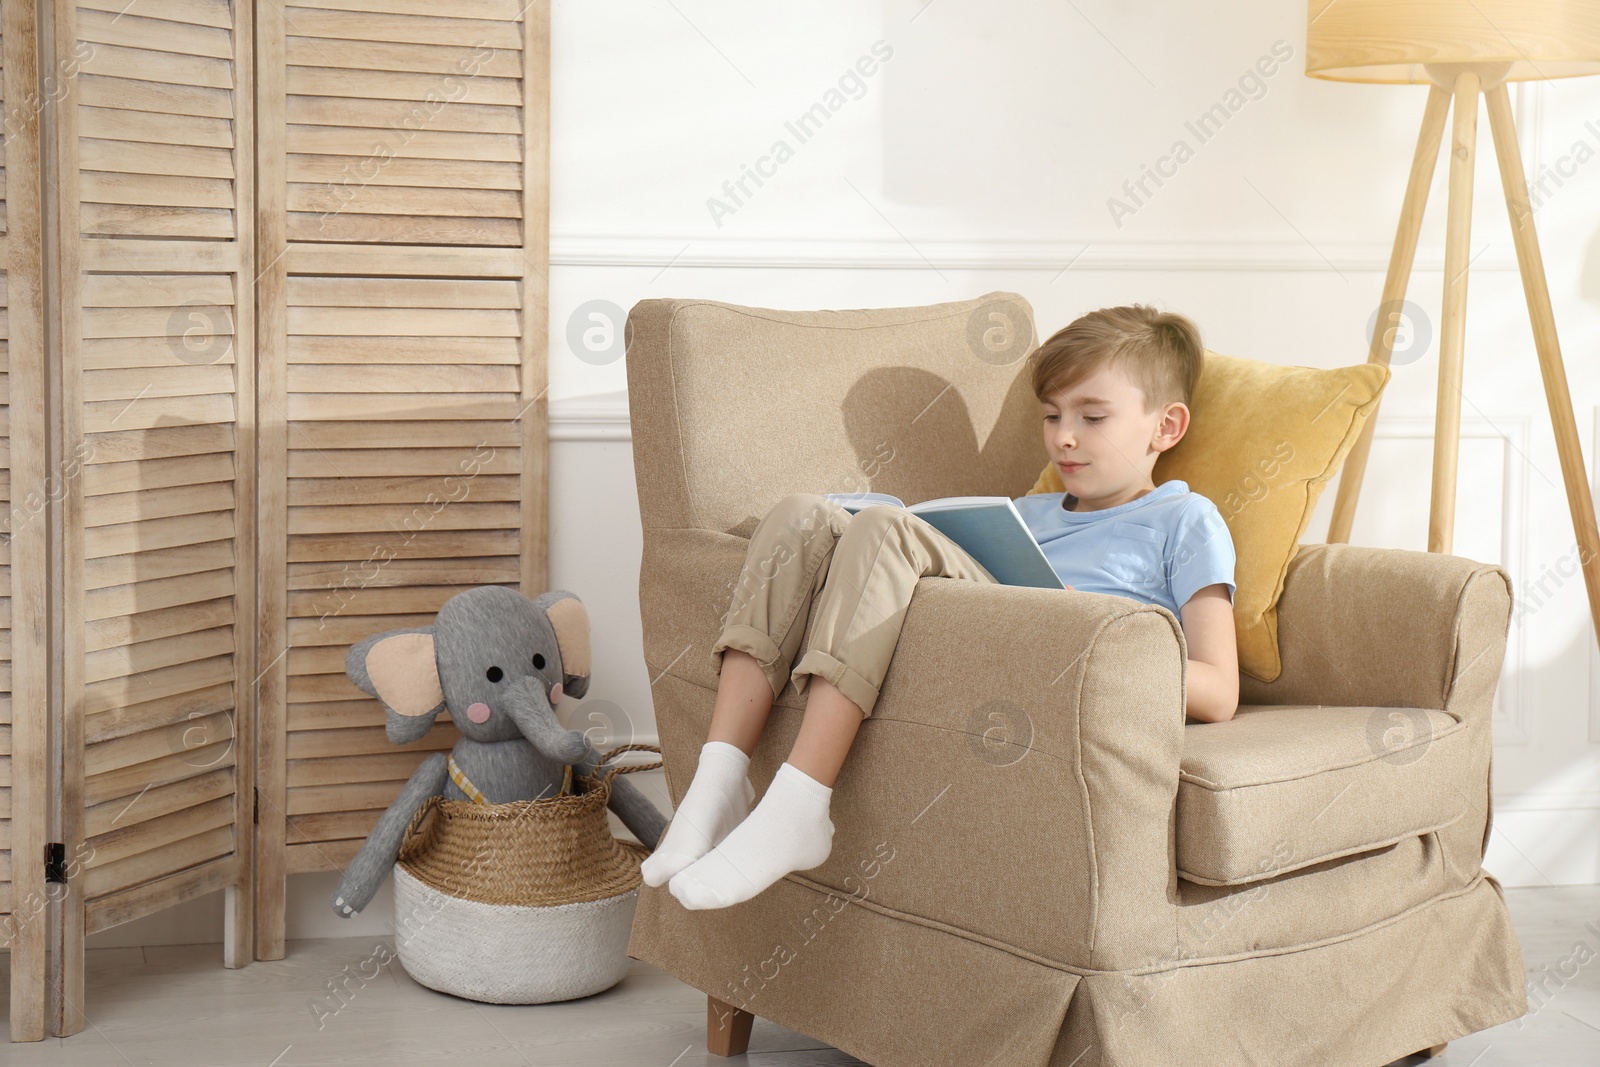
(1278, 788)
(1263, 440)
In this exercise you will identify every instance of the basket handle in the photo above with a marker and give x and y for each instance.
(612, 772)
(421, 813)
(414, 826)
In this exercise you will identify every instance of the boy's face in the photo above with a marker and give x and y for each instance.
(1102, 441)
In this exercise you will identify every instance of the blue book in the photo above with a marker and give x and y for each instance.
(990, 528)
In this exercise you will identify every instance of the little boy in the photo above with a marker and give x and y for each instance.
(1114, 387)
(1110, 409)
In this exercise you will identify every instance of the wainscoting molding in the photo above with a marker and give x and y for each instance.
(600, 417)
(1510, 724)
(1594, 646)
(1100, 254)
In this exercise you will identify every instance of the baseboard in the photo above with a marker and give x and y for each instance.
(1541, 847)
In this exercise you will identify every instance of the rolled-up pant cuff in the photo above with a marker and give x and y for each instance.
(851, 684)
(762, 647)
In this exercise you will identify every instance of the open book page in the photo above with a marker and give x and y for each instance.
(854, 502)
(989, 527)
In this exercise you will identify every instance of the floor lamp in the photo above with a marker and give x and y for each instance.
(1463, 48)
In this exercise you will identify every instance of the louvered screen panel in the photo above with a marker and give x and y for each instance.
(404, 178)
(9, 923)
(404, 122)
(24, 554)
(7, 890)
(155, 148)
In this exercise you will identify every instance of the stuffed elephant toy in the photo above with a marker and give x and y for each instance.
(500, 662)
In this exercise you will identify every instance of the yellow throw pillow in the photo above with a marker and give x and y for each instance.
(1263, 440)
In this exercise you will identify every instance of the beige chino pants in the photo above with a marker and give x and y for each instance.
(855, 573)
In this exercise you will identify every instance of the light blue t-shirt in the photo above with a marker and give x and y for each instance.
(1161, 548)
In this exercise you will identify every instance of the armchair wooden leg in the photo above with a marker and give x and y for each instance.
(728, 1028)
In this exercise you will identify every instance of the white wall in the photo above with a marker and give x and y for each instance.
(980, 155)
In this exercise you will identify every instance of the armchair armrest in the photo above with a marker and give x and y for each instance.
(1388, 627)
(1017, 780)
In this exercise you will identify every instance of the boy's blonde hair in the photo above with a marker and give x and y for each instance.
(1159, 351)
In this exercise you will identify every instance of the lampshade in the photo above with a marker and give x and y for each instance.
(1391, 40)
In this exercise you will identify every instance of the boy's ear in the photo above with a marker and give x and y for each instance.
(1173, 425)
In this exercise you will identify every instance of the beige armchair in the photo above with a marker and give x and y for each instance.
(1036, 861)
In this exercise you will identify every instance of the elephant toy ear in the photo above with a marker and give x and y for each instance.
(399, 668)
(570, 620)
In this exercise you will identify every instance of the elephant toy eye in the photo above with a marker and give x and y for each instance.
(495, 674)
(538, 662)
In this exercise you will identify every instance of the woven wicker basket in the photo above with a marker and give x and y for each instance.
(520, 903)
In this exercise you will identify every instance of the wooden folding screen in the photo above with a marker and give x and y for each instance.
(24, 556)
(155, 205)
(276, 316)
(403, 156)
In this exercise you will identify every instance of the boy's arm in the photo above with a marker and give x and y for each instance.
(1213, 678)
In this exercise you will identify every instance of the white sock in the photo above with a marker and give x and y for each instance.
(717, 798)
(788, 831)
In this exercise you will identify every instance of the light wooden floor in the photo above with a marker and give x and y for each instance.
(175, 1006)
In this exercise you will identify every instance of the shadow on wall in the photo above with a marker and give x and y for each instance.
(941, 455)
(913, 437)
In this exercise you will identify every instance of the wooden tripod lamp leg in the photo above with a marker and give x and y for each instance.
(1453, 318)
(1559, 400)
(1394, 294)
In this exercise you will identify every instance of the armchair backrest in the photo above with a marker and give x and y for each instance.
(733, 408)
